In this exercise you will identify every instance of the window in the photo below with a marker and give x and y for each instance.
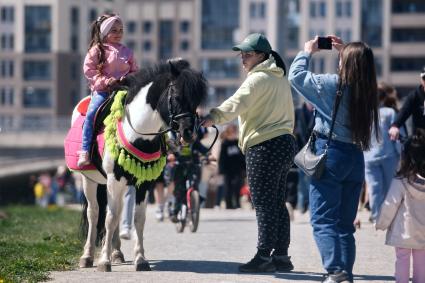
(252, 10)
(131, 26)
(221, 68)
(220, 20)
(147, 46)
(147, 27)
(348, 9)
(313, 9)
(37, 97)
(371, 24)
(37, 70)
(7, 41)
(7, 69)
(322, 10)
(38, 30)
(92, 15)
(338, 9)
(412, 64)
(347, 35)
(165, 39)
(378, 66)
(408, 35)
(7, 96)
(262, 10)
(74, 29)
(185, 26)
(75, 71)
(408, 6)
(7, 14)
(75, 16)
(131, 44)
(184, 45)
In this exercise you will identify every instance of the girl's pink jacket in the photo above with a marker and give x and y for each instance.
(119, 62)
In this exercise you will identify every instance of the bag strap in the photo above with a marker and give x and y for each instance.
(335, 110)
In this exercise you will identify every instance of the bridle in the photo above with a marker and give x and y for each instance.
(173, 124)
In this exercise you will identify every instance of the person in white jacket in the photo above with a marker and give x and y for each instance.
(402, 213)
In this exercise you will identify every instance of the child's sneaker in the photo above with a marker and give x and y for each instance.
(83, 158)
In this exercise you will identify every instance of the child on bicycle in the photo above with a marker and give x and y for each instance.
(106, 63)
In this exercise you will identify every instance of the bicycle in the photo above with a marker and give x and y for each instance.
(186, 189)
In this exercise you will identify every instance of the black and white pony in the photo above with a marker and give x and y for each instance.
(165, 95)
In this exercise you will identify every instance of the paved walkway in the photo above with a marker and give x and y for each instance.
(226, 239)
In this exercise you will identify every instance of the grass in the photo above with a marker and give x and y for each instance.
(34, 241)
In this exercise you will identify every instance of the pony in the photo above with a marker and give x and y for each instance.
(165, 95)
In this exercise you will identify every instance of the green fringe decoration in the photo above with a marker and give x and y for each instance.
(141, 171)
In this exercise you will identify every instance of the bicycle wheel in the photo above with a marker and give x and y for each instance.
(195, 210)
(181, 219)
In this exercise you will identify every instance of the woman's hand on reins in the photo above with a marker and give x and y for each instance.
(207, 122)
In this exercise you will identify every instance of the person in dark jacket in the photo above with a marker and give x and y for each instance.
(232, 166)
(415, 106)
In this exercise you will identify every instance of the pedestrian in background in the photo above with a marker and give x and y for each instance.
(127, 213)
(265, 110)
(402, 213)
(381, 160)
(334, 197)
(414, 106)
(106, 63)
(231, 165)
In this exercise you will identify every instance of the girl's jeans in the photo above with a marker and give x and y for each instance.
(402, 265)
(379, 175)
(333, 204)
(97, 99)
(268, 164)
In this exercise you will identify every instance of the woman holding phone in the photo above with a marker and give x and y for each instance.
(334, 197)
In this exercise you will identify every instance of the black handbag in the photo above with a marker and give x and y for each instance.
(306, 159)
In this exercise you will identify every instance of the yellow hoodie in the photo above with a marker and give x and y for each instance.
(263, 105)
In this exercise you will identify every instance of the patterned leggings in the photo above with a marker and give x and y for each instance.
(267, 166)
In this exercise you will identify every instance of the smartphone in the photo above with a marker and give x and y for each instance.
(325, 43)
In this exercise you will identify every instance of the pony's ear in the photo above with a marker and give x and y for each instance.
(177, 65)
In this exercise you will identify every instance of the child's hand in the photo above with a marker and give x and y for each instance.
(111, 81)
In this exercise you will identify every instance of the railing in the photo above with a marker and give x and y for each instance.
(39, 124)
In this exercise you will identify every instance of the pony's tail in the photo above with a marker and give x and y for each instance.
(102, 201)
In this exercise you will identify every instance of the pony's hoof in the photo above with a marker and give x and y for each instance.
(143, 266)
(106, 267)
(118, 257)
(86, 262)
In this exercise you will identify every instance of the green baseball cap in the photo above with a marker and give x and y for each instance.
(254, 42)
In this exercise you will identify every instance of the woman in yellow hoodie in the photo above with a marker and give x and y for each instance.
(264, 107)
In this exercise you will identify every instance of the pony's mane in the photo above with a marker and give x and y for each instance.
(190, 84)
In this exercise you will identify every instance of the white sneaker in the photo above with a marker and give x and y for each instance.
(125, 234)
(83, 158)
(159, 214)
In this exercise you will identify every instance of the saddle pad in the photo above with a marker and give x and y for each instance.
(83, 105)
(72, 145)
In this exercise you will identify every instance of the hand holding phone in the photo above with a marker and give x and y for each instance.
(324, 43)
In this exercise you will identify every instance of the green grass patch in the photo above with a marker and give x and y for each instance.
(34, 241)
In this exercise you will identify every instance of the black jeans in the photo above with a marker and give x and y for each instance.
(268, 164)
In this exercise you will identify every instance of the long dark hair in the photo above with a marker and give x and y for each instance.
(357, 72)
(277, 58)
(387, 96)
(413, 157)
(96, 39)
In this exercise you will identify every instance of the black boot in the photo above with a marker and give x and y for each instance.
(260, 263)
(283, 263)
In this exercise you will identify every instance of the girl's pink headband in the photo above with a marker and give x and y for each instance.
(107, 24)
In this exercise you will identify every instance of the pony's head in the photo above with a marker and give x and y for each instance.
(176, 92)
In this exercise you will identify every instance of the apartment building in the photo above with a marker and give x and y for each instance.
(395, 29)
(43, 43)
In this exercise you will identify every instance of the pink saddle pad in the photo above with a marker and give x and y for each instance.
(72, 145)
